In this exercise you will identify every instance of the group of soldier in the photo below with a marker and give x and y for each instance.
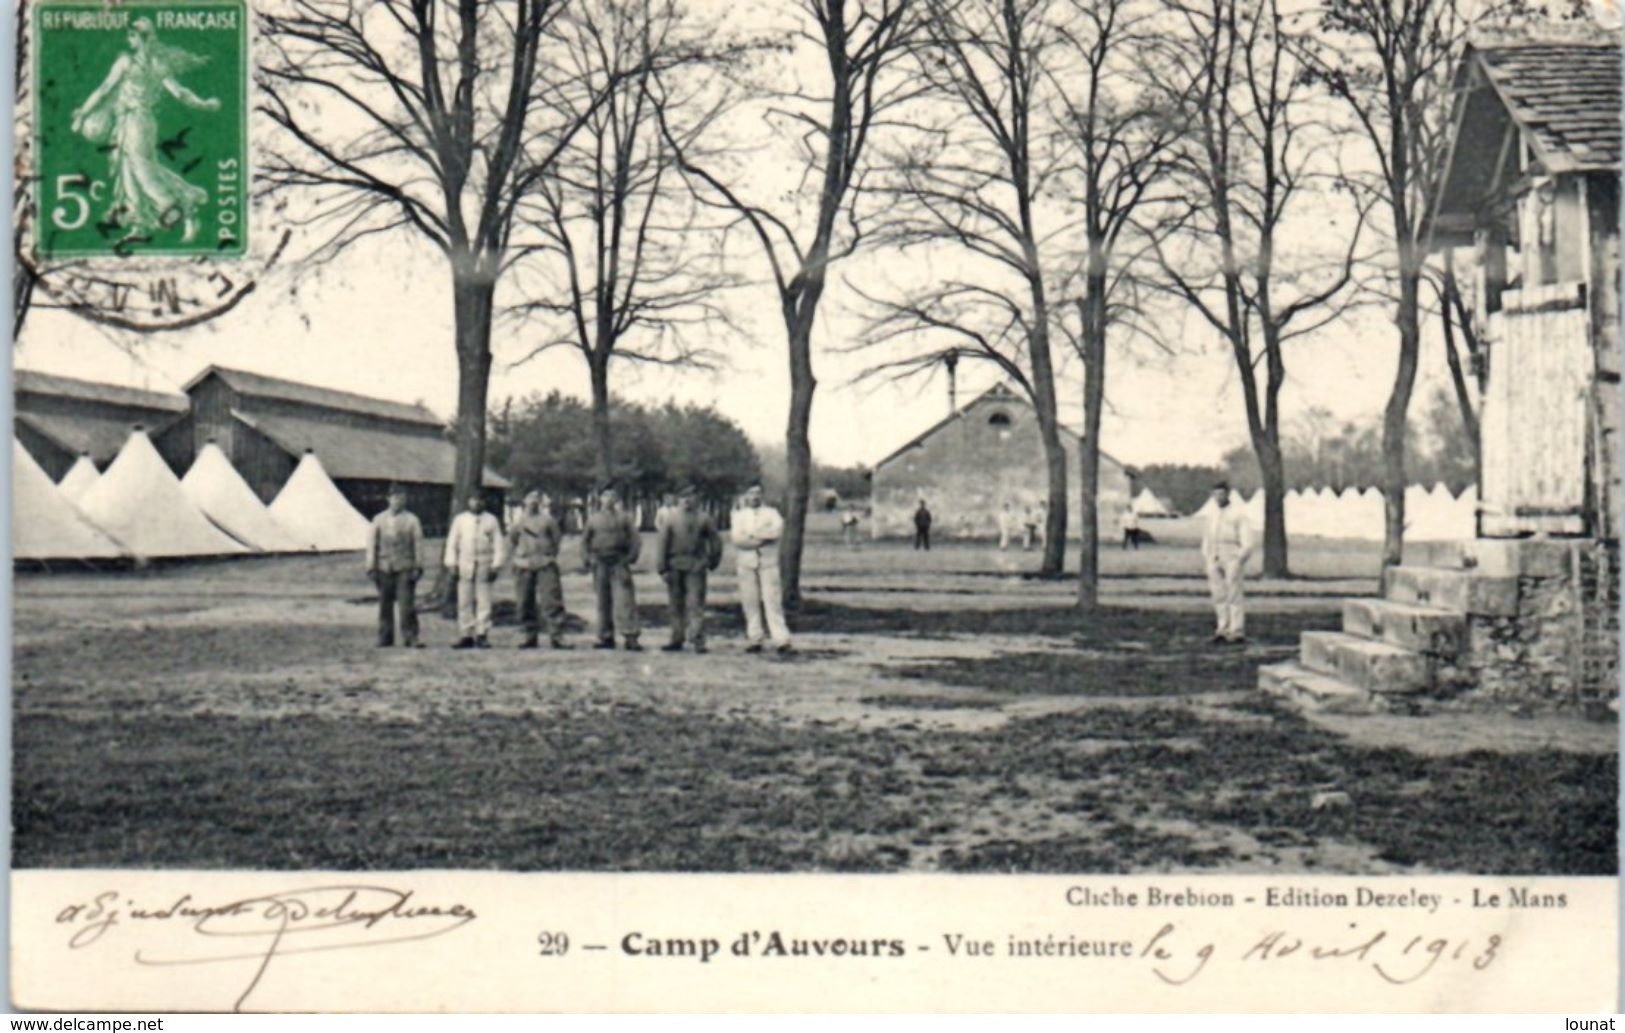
(688, 547)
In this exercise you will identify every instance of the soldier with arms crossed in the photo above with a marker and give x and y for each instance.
(756, 531)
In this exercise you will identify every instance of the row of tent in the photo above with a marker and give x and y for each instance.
(1434, 514)
(138, 508)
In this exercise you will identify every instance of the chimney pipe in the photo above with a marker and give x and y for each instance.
(951, 361)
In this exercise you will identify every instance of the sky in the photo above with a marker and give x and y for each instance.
(379, 322)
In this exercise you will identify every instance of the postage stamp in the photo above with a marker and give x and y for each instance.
(141, 128)
(814, 505)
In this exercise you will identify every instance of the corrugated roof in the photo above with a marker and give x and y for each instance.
(259, 385)
(96, 436)
(1564, 89)
(29, 381)
(366, 453)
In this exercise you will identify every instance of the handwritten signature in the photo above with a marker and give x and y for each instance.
(1397, 960)
(257, 929)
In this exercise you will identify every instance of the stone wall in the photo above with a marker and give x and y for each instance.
(1561, 648)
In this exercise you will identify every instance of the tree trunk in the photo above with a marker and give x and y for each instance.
(1093, 309)
(798, 451)
(1394, 416)
(603, 444)
(1450, 302)
(1272, 472)
(1049, 431)
(471, 310)
(1267, 446)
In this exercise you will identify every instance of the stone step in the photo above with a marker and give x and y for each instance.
(1464, 591)
(1495, 557)
(1311, 690)
(1423, 629)
(1373, 666)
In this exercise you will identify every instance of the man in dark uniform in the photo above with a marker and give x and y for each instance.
(533, 542)
(922, 527)
(609, 546)
(686, 550)
(395, 567)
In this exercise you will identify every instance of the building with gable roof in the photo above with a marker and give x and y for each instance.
(266, 424)
(58, 419)
(969, 464)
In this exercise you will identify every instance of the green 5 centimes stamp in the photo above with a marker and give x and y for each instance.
(141, 128)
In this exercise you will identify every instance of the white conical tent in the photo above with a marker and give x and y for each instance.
(46, 526)
(80, 476)
(311, 509)
(140, 502)
(1147, 504)
(215, 487)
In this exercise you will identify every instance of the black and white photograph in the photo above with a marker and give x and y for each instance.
(1089, 438)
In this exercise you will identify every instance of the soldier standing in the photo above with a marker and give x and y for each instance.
(922, 527)
(609, 546)
(395, 567)
(533, 541)
(1227, 542)
(756, 531)
(687, 550)
(474, 551)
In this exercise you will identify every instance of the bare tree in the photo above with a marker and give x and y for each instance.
(972, 178)
(623, 268)
(1255, 154)
(858, 43)
(1454, 319)
(431, 118)
(1390, 63)
(1120, 132)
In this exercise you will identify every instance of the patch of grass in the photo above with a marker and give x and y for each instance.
(634, 788)
(1108, 627)
(1095, 673)
(906, 702)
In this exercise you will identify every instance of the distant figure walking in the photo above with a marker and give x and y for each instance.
(1005, 519)
(1029, 529)
(922, 527)
(849, 526)
(756, 531)
(1131, 527)
(1227, 541)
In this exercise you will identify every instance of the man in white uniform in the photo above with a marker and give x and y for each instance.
(756, 531)
(474, 550)
(1227, 541)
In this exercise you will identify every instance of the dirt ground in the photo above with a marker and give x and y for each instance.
(942, 711)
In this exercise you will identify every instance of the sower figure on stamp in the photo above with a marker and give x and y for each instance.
(533, 541)
(1227, 541)
(756, 531)
(687, 549)
(474, 551)
(395, 567)
(609, 546)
